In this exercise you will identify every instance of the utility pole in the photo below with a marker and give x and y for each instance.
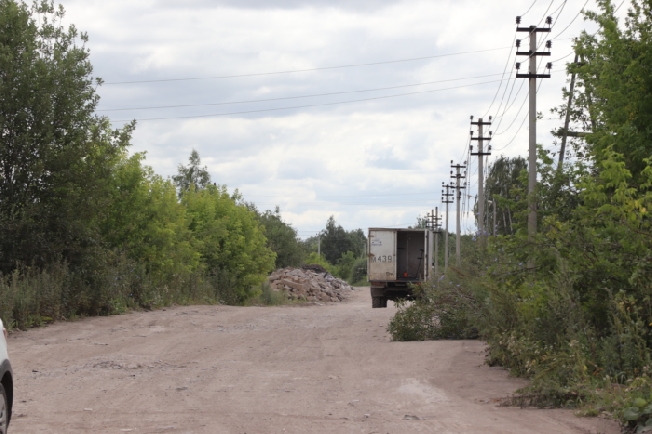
(436, 228)
(532, 76)
(446, 198)
(562, 151)
(319, 245)
(458, 176)
(493, 202)
(480, 154)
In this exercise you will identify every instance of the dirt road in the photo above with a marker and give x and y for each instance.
(292, 369)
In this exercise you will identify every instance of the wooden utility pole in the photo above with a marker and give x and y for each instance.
(481, 154)
(562, 151)
(446, 198)
(532, 76)
(458, 188)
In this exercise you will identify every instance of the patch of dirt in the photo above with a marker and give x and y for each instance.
(288, 369)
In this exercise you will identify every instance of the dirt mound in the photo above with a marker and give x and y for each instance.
(308, 284)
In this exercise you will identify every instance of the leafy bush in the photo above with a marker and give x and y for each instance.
(359, 272)
(314, 258)
(441, 310)
(268, 297)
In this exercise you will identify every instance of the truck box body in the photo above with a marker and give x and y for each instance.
(395, 258)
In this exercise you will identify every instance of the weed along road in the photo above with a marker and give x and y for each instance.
(327, 368)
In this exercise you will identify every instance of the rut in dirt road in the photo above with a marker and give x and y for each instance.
(327, 368)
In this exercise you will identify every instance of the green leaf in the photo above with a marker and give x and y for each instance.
(644, 428)
(640, 402)
(631, 413)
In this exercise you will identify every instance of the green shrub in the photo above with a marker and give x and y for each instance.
(442, 310)
(268, 297)
(314, 258)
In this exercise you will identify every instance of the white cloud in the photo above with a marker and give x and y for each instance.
(371, 163)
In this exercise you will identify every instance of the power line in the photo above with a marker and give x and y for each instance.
(355, 196)
(501, 83)
(510, 106)
(543, 17)
(327, 204)
(305, 106)
(561, 58)
(519, 128)
(304, 70)
(529, 9)
(296, 97)
(510, 54)
(572, 21)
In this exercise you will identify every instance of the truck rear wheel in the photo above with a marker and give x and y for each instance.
(376, 302)
(384, 302)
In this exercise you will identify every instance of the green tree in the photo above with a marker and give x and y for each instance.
(505, 186)
(335, 241)
(55, 155)
(192, 175)
(231, 241)
(282, 239)
(611, 102)
(146, 221)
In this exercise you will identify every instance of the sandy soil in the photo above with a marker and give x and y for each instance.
(291, 369)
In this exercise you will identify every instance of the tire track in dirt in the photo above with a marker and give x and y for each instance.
(289, 369)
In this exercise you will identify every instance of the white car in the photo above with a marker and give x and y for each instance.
(6, 383)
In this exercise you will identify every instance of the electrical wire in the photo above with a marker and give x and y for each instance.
(341, 196)
(561, 58)
(543, 17)
(503, 76)
(303, 106)
(519, 110)
(296, 97)
(304, 70)
(519, 128)
(498, 133)
(529, 9)
(573, 20)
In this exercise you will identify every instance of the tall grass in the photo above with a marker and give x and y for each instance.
(31, 297)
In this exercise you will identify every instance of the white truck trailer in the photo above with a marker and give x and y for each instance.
(397, 258)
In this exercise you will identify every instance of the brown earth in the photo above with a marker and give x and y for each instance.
(327, 368)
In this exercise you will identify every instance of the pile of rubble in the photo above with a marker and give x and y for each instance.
(309, 283)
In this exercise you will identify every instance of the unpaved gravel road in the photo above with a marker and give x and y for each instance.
(291, 369)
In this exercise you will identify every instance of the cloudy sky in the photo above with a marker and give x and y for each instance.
(351, 108)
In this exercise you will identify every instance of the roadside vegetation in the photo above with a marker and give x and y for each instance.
(86, 227)
(572, 308)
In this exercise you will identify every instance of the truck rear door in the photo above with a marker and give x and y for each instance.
(381, 258)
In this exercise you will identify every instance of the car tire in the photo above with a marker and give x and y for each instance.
(384, 302)
(376, 302)
(4, 410)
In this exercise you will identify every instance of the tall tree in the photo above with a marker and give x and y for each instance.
(281, 239)
(55, 155)
(613, 102)
(192, 175)
(505, 187)
(335, 241)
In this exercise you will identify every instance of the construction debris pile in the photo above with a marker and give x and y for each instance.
(309, 283)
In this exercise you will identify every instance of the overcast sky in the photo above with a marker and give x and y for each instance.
(351, 108)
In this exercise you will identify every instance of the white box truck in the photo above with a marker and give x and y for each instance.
(397, 258)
